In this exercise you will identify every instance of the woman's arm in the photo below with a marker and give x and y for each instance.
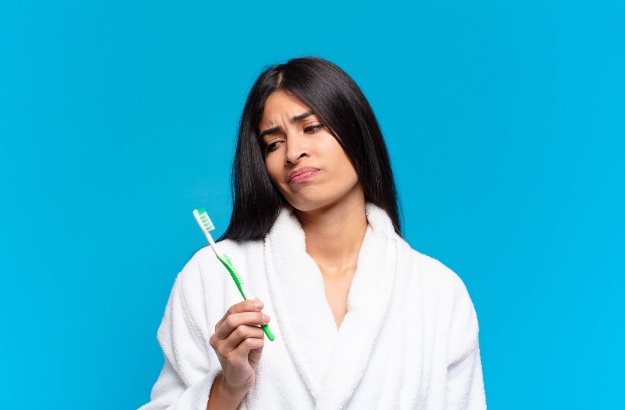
(238, 342)
(222, 397)
(190, 376)
(188, 373)
(465, 383)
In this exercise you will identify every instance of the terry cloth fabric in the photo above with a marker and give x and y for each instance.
(409, 339)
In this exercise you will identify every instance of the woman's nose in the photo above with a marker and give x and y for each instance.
(295, 150)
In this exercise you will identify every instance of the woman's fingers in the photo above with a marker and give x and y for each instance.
(238, 341)
(238, 346)
(248, 345)
(240, 323)
(252, 305)
(236, 320)
(241, 335)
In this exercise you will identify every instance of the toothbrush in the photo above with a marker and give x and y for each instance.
(206, 225)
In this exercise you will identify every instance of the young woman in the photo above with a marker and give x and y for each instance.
(361, 320)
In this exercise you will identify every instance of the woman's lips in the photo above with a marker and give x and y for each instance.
(301, 175)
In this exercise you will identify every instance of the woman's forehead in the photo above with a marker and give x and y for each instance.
(281, 106)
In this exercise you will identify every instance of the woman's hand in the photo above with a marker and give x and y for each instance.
(238, 341)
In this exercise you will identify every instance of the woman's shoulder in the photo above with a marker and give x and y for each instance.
(430, 271)
(441, 287)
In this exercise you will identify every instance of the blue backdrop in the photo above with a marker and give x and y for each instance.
(505, 123)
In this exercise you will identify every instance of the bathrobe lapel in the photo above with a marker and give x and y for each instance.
(331, 362)
(298, 296)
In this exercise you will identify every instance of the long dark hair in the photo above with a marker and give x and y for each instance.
(340, 105)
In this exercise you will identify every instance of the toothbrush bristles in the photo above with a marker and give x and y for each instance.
(205, 220)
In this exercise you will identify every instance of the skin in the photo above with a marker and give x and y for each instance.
(330, 205)
(238, 342)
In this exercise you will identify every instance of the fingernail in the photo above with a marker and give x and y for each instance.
(258, 304)
(265, 318)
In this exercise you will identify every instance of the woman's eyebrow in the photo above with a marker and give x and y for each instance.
(269, 131)
(274, 130)
(301, 116)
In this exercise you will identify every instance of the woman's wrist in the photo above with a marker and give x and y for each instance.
(223, 396)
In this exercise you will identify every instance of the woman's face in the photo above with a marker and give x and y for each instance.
(304, 161)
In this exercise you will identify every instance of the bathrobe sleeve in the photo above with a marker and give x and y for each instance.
(188, 373)
(465, 384)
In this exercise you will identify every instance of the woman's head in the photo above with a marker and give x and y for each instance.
(338, 103)
(304, 160)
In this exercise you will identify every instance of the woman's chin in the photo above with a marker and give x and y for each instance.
(315, 200)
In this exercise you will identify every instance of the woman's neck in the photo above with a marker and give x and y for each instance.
(334, 234)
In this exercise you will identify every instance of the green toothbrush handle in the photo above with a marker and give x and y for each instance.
(268, 332)
(238, 280)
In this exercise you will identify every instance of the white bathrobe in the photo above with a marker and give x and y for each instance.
(409, 339)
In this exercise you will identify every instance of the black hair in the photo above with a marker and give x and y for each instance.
(341, 106)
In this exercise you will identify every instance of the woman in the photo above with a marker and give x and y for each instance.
(361, 320)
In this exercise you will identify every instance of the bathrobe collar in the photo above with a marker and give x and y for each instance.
(330, 361)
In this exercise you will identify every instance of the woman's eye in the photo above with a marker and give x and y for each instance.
(272, 146)
(311, 129)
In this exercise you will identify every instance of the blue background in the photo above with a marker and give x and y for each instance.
(505, 124)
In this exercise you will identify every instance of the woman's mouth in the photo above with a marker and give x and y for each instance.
(301, 175)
